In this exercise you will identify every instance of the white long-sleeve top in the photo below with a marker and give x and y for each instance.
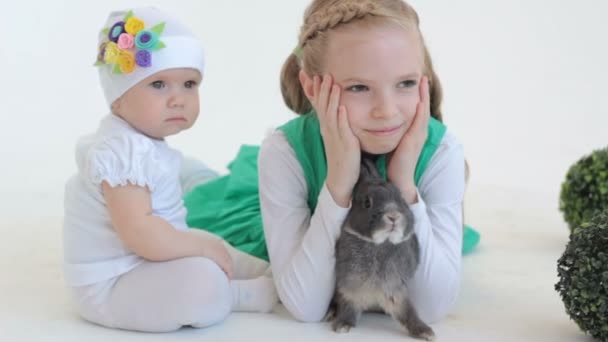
(301, 247)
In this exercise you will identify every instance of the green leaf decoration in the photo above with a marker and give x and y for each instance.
(158, 29)
(116, 69)
(159, 45)
(98, 63)
(128, 15)
(106, 31)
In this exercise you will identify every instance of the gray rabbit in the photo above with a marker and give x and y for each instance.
(377, 254)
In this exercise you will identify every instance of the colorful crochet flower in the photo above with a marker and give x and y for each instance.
(146, 40)
(129, 44)
(143, 58)
(111, 54)
(134, 25)
(126, 61)
(101, 52)
(116, 30)
(125, 41)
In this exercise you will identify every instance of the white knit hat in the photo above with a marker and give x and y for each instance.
(138, 43)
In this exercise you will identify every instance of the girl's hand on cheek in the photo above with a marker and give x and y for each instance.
(402, 162)
(342, 147)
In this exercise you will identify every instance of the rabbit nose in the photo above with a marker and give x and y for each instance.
(393, 217)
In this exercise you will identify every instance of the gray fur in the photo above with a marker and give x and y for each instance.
(376, 257)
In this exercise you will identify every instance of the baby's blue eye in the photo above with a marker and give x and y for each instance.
(407, 84)
(190, 84)
(158, 84)
(357, 88)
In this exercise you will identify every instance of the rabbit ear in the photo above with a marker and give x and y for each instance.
(368, 169)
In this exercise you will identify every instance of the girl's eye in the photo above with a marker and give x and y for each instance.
(357, 88)
(407, 84)
(190, 84)
(158, 84)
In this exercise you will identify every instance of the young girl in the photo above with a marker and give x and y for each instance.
(130, 260)
(363, 80)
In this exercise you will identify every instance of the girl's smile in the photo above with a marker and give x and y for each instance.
(386, 131)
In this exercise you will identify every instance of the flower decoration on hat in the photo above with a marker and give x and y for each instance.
(129, 44)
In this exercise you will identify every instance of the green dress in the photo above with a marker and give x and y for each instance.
(229, 206)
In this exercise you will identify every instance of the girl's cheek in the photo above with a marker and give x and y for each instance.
(355, 102)
(409, 106)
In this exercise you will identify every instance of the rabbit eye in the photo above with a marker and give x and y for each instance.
(367, 203)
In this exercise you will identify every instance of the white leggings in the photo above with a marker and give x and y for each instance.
(164, 296)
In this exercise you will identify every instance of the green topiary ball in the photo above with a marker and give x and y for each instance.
(583, 276)
(585, 190)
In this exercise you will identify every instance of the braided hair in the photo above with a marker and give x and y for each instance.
(320, 18)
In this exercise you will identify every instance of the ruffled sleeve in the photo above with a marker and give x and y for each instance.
(125, 159)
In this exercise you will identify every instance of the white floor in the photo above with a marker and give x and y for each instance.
(507, 289)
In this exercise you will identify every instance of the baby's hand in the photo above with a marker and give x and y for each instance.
(214, 249)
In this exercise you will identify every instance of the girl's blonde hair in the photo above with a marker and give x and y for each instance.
(324, 15)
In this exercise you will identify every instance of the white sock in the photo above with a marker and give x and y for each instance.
(254, 295)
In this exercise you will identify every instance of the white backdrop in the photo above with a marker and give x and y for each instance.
(523, 84)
